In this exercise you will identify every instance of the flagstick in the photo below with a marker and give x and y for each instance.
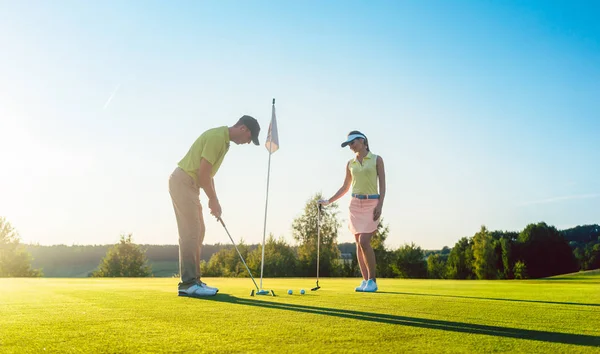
(262, 263)
(265, 224)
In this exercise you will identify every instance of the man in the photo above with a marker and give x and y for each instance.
(196, 170)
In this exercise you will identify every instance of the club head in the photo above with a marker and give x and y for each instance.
(315, 288)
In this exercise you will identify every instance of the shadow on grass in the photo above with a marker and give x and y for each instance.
(552, 337)
(492, 298)
(569, 281)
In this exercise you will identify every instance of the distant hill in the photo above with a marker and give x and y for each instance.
(582, 234)
(64, 261)
(81, 261)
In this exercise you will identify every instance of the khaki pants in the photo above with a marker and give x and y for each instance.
(185, 195)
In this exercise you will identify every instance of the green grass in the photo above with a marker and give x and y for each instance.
(558, 315)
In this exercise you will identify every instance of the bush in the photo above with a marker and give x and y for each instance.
(520, 270)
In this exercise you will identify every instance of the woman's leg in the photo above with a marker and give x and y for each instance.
(364, 240)
(361, 258)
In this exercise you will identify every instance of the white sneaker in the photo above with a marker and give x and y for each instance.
(205, 286)
(362, 286)
(371, 286)
(197, 291)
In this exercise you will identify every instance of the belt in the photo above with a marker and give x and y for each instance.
(365, 196)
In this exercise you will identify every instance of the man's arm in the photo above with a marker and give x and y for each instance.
(207, 183)
(205, 179)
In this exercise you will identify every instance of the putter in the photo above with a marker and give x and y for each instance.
(258, 291)
(318, 245)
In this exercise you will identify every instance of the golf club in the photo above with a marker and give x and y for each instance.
(320, 206)
(258, 291)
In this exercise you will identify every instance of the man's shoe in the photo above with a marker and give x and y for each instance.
(205, 286)
(196, 290)
(362, 286)
(371, 286)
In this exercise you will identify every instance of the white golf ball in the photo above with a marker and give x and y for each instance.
(289, 292)
(302, 291)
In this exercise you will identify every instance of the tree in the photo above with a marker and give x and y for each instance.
(503, 242)
(305, 233)
(507, 257)
(125, 259)
(436, 267)
(591, 256)
(582, 233)
(227, 263)
(410, 262)
(484, 258)
(460, 260)
(280, 259)
(383, 257)
(350, 267)
(545, 251)
(15, 261)
(520, 270)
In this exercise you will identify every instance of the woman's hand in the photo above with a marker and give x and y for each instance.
(323, 202)
(377, 211)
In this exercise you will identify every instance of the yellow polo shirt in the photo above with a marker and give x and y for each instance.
(364, 176)
(212, 145)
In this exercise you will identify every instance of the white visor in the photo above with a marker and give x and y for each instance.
(352, 137)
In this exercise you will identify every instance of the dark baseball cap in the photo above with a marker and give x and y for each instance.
(253, 125)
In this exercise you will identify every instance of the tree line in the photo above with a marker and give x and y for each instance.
(539, 250)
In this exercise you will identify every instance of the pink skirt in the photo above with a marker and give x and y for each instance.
(361, 216)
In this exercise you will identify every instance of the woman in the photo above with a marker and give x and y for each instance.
(362, 174)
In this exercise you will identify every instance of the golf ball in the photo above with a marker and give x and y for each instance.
(302, 291)
(289, 292)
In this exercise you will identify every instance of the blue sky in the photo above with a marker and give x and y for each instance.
(485, 113)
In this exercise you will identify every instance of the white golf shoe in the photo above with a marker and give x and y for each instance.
(205, 286)
(196, 290)
(371, 286)
(362, 286)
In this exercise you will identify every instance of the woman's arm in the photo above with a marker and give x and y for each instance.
(381, 175)
(343, 190)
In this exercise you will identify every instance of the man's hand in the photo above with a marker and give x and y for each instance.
(377, 211)
(215, 208)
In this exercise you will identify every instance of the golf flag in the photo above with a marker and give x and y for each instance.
(272, 143)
